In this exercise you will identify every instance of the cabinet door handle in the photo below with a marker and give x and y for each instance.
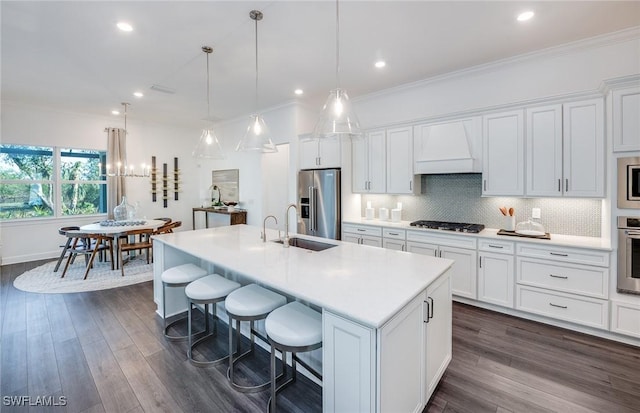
(360, 229)
(393, 233)
(480, 261)
(430, 314)
(559, 185)
(559, 254)
(410, 186)
(496, 246)
(566, 185)
(402, 247)
(425, 317)
(558, 306)
(564, 277)
(484, 184)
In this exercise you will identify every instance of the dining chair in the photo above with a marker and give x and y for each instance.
(168, 228)
(88, 245)
(138, 239)
(65, 248)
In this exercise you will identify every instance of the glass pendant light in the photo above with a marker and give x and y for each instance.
(208, 146)
(337, 118)
(257, 137)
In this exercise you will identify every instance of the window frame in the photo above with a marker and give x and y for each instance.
(57, 182)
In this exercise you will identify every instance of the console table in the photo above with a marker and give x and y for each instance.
(234, 217)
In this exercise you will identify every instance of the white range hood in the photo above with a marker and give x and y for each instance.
(448, 147)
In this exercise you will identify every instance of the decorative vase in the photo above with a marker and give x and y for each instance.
(124, 211)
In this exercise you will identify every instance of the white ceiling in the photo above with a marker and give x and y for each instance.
(71, 55)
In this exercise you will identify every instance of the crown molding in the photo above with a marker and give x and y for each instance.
(620, 36)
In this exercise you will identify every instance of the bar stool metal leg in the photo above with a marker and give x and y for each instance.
(209, 290)
(174, 322)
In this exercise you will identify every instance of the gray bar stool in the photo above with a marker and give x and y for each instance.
(294, 328)
(249, 303)
(210, 289)
(179, 276)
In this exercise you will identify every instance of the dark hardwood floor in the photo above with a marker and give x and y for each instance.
(104, 351)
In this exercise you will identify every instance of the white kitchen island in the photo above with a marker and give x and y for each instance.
(386, 314)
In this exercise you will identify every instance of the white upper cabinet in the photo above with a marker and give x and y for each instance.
(319, 154)
(583, 148)
(626, 119)
(503, 154)
(544, 151)
(369, 163)
(400, 178)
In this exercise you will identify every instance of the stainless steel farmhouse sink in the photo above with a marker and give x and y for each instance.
(307, 244)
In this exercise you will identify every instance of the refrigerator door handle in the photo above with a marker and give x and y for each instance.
(312, 209)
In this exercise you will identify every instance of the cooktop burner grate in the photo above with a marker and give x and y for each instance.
(449, 226)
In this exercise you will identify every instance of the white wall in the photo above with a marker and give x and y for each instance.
(282, 124)
(32, 239)
(559, 71)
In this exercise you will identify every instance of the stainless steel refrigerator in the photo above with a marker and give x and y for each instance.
(319, 202)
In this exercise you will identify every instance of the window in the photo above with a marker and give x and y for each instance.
(38, 181)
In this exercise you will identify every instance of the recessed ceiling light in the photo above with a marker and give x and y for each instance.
(524, 16)
(298, 91)
(380, 64)
(115, 112)
(125, 27)
(138, 94)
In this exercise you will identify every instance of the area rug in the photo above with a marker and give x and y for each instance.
(42, 279)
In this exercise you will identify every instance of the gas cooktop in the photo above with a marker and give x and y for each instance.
(449, 226)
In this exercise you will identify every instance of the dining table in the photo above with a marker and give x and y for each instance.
(116, 229)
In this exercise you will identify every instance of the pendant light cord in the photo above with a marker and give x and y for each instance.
(125, 116)
(256, 97)
(208, 90)
(337, 45)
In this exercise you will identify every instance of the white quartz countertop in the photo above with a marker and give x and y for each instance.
(556, 239)
(365, 284)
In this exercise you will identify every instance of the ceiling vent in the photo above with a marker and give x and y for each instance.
(163, 89)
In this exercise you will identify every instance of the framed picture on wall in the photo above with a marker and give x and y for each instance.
(228, 182)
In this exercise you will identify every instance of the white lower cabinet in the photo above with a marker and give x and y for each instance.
(394, 239)
(438, 331)
(348, 357)
(422, 329)
(394, 368)
(362, 234)
(568, 307)
(625, 318)
(496, 278)
(461, 249)
(570, 284)
(401, 345)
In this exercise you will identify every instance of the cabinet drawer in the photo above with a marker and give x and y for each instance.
(576, 309)
(362, 229)
(500, 247)
(394, 233)
(576, 279)
(461, 241)
(575, 255)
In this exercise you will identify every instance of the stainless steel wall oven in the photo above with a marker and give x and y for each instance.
(629, 182)
(629, 255)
